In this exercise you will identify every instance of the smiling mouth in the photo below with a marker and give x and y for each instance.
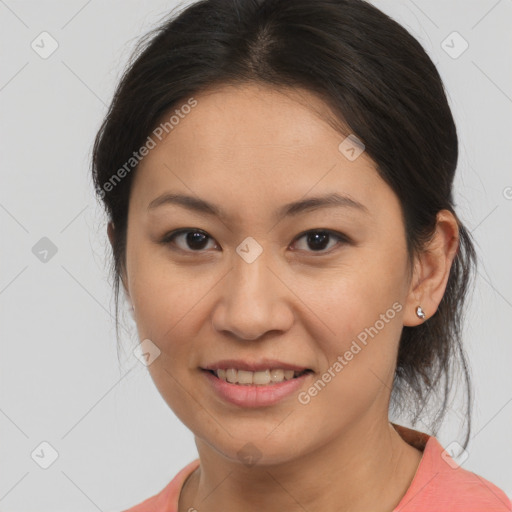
(259, 378)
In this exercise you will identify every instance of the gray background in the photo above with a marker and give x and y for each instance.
(60, 380)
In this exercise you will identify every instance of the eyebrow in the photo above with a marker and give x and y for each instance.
(288, 210)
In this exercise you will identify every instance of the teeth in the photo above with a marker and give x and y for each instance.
(276, 375)
(260, 378)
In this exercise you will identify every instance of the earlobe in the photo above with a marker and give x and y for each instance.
(432, 270)
(420, 313)
(413, 315)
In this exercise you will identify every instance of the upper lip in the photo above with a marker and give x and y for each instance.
(254, 366)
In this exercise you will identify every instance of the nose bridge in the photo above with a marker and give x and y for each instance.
(252, 301)
(250, 272)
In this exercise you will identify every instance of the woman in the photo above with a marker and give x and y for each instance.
(278, 180)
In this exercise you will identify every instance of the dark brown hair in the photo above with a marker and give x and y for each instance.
(380, 84)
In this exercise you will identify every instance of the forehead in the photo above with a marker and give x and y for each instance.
(255, 144)
(253, 114)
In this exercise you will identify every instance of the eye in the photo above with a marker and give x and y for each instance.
(194, 240)
(318, 239)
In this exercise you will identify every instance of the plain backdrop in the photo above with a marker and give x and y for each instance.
(114, 439)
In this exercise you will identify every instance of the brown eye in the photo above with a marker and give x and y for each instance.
(192, 240)
(319, 240)
(196, 240)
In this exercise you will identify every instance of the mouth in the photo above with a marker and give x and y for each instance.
(259, 388)
(266, 377)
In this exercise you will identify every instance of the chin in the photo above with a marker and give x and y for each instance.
(254, 450)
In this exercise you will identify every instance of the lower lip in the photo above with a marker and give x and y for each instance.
(250, 396)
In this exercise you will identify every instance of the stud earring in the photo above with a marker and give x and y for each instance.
(420, 313)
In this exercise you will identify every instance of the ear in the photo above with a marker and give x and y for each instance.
(112, 236)
(432, 270)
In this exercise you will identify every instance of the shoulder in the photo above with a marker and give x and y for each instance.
(442, 485)
(466, 491)
(167, 499)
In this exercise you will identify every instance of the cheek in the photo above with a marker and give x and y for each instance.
(357, 296)
(359, 359)
(363, 309)
(168, 309)
(364, 329)
(164, 296)
(169, 313)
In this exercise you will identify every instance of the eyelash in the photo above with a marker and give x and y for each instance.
(170, 237)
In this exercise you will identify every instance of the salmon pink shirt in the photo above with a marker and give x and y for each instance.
(439, 485)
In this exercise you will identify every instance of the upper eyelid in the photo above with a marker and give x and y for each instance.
(173, 234)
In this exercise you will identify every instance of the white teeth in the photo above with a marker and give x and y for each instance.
(244, 377)
(231, 375)
(276, 375)
(260, 378)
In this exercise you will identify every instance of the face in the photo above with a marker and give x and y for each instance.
(321, 287)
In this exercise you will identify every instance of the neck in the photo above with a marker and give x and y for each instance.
(365, 468)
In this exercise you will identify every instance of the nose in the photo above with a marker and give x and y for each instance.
(253, 301)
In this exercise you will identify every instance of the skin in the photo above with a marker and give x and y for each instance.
(250, 150)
